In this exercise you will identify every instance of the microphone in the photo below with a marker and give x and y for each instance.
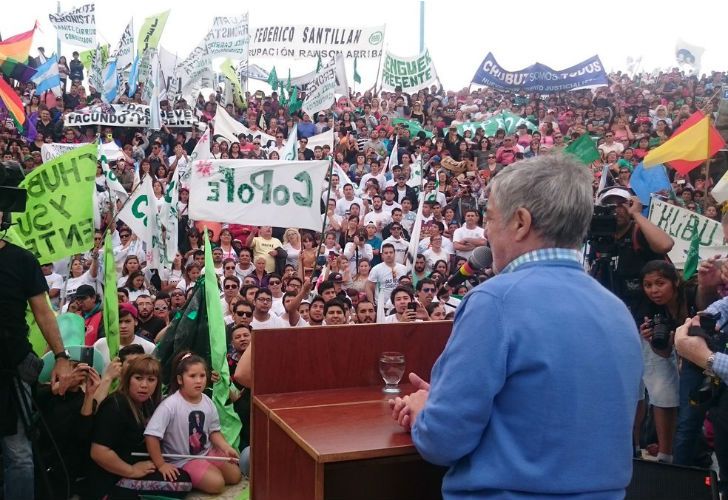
(481, 258)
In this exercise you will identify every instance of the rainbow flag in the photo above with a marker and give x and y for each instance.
(13, 103)
(16, 70)
(17, 47)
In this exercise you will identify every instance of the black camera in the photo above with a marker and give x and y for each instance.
(661, 328)
(708, 392)
(602, 228)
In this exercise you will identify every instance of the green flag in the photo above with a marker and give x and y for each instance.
(59, 217)
(294, 103)
(320, 63)
(693, 257)
(357, 76)
(282, 97)
(151, 32)
(111, 299)
(228, 71)
(87, 56)
(289, 87)
(584, 149)
(273, 78)
(414, 127)
(229, 421)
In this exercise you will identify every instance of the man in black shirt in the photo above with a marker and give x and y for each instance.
(148, 323)
(21, 284)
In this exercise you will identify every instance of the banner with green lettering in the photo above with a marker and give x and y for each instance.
(681, 223)
(509, 122)
(59, 216)
(409, 73)
(258, 192)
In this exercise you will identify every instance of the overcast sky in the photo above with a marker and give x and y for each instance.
(458, 33)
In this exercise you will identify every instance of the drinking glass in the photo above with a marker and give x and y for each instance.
(391, 367)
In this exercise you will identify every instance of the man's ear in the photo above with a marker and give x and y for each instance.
(523, 222)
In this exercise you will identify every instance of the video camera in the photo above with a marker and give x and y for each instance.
(602, 228)
(12, 198)
(708, 392)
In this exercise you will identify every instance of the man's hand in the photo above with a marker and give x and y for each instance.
(60, 376)
(406, 409)
(710, 272)
(692, 348)
(634, 207)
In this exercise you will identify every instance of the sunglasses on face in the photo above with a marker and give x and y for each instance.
(229, 268)
(272, 282)
(124, 235)
(245, 314)
(231, 287)
(428, 290)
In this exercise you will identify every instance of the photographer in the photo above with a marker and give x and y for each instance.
(695, 349)
(637, 241)
(666, 302)
(22, 283)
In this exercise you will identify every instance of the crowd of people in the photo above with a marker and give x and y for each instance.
(356, 270)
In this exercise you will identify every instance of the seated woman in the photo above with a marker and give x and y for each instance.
(119, 431)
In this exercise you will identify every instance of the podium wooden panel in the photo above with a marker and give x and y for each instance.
(321, 426)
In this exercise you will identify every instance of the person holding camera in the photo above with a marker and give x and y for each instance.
(666, 302)
(21, 284)
(636, 242)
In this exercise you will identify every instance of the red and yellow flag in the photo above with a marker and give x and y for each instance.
(17, 47)
(13, 103)
(690, 145)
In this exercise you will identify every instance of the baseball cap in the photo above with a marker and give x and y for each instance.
(84, 291)
(620, 193)
(336, 277)
(389, 189)
(129, 308)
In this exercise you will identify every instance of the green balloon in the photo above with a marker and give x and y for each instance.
(73, 329)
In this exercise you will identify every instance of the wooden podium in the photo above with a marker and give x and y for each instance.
(321, 426)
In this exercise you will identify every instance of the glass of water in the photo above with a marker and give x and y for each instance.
(391, 367)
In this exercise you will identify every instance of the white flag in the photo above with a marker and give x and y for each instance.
(116, 190)
(155, 121)
(140, 212)
(95, 76)
(228, 128)
(321, 92)
(169, 220)
(76, 26)
(688, 56)
(290, 153)
(342, 82)
(394, 156)
(125, 50)
(720, 191)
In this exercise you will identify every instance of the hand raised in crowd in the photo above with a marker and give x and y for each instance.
(113, 370)
(93, 381)
(634, 206)
(214, 376)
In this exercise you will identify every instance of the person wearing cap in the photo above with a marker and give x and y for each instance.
(637, 241)
(91, 310)
(128, 333)
(397, 240)
(390, 203)
(506, 154)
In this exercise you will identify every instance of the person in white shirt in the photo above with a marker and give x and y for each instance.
(389, 204)
(467, 238)
(609, 145)
(245, 266)
(276, 289)
(435, 252)
(262, 316)
(128, 324)
(376, 173)
(357, 250)
(401, 298)
(377, 216)
(436, 229)
(398, 242)
(408, 216)
(343, 204)
(384, 277)
(55, 284)
(179, 160)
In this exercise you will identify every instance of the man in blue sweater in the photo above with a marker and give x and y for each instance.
(535, 393)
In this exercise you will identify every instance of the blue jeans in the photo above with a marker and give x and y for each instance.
(690, 418)
(18, 460)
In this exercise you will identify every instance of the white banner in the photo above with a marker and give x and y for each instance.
(321, 139)
(258, 192)
(48, 151)
(410, 73)
(228, 37)
(321, 92)
(192, 69)
(252, 71)
(77, 26)
(129, 115)
(679, 222)
(688, 57)
(125, 50)
(316, 41)
(226, 127)
(140, 212)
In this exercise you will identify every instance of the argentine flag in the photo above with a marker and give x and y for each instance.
(46, 77)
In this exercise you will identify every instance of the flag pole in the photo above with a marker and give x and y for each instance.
(323, 226)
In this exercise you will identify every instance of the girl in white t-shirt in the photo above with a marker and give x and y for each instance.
(78, 277)
(187, 423)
